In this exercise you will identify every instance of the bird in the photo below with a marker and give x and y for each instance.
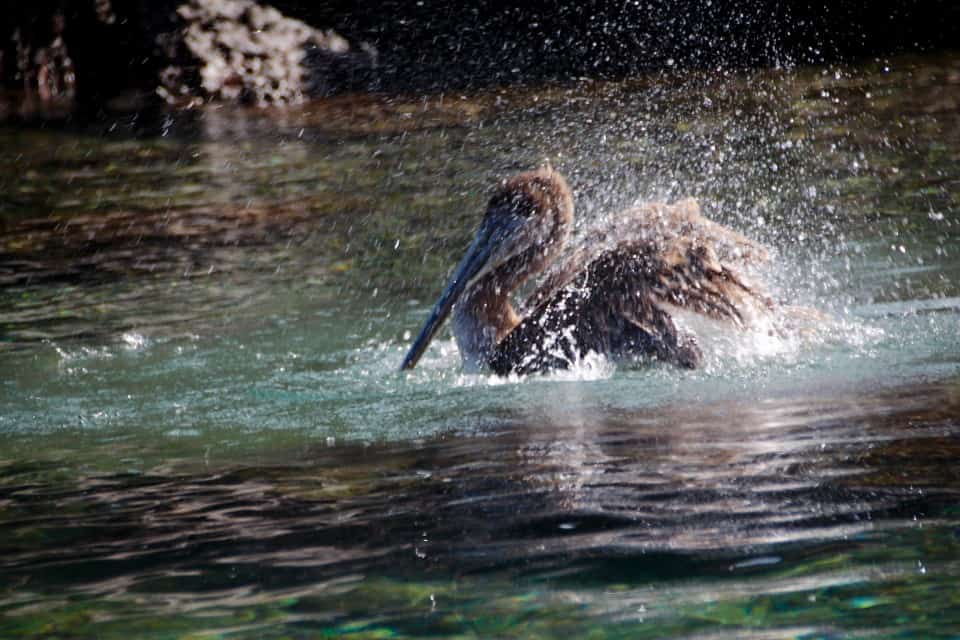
(615, 295)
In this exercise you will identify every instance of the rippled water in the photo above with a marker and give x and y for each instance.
(203, 433)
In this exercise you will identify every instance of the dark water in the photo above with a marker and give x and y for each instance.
(203, 434)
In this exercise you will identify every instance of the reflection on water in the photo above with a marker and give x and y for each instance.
(837, 514)
(202, 430)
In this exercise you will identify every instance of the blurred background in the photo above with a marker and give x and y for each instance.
(99, 50)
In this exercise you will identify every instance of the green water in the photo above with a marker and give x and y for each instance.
(203, 433)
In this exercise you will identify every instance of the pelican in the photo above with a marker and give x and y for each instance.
(614, 297)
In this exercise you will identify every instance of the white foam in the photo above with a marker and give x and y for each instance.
(134, 341)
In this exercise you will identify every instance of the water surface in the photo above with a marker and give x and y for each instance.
(203, 433)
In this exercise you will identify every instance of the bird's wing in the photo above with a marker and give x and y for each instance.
(661, 223)
(611, 307)
(618, 303)
(678, 234)
(700, 265)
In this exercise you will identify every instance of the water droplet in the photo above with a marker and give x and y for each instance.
(133, 340)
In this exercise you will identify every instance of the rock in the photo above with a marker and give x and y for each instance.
(92, 53)
(239, 50)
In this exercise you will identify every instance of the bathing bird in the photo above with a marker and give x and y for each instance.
(615, 295)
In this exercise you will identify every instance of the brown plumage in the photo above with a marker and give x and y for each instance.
(613, 297)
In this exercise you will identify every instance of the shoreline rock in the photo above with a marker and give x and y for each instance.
(86, 54)
(239, 50)
(184, 52)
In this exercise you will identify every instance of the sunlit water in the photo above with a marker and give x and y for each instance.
(202, 429)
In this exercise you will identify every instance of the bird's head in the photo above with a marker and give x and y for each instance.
(528, 215)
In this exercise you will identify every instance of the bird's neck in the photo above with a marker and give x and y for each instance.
(485, 315)
(481, 319)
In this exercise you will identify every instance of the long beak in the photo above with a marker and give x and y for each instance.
(492, 231)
